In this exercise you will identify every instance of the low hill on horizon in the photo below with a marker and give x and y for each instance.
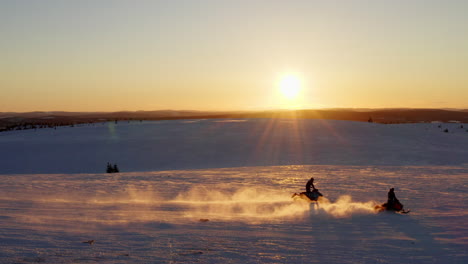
(13, 121)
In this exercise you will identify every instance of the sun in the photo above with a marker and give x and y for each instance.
(290, 86)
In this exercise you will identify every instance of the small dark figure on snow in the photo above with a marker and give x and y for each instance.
(312, 195)
(392, 200)
(310, 183)
(392, 204)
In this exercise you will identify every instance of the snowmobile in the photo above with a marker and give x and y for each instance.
(310, 197)
(395, 207)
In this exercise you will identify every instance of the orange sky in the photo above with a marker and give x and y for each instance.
(232, 55)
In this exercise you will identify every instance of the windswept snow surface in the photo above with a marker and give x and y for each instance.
(201, 211)
(200, 144)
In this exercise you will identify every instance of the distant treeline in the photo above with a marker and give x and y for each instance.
(36, 120)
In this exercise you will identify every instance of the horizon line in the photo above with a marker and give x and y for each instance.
(253, 110)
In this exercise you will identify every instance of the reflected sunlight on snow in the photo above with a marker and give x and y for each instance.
(246, 210)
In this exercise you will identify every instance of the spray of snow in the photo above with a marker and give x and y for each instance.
(244, 204)
(147, 203)
(259, 205)
(344, 207)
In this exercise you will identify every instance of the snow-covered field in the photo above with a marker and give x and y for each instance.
(218, 191)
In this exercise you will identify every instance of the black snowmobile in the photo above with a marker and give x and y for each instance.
(310, 197)
(392, 204)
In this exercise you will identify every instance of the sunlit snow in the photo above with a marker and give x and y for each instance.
(206, 191)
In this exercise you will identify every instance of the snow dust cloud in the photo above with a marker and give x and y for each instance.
(44, 204)
(243, 204)
(146, 204)
(344, 207)
(257, 205)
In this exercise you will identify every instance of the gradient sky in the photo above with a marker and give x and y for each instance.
(230, 55)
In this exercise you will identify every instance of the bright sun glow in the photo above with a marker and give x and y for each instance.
(290, 86)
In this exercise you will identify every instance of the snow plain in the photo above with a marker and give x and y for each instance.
(219, 191)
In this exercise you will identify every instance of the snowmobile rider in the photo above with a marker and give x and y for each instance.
(392, 202)
(310, 183)
(314, 194)
(311, 195)
(391, 197)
